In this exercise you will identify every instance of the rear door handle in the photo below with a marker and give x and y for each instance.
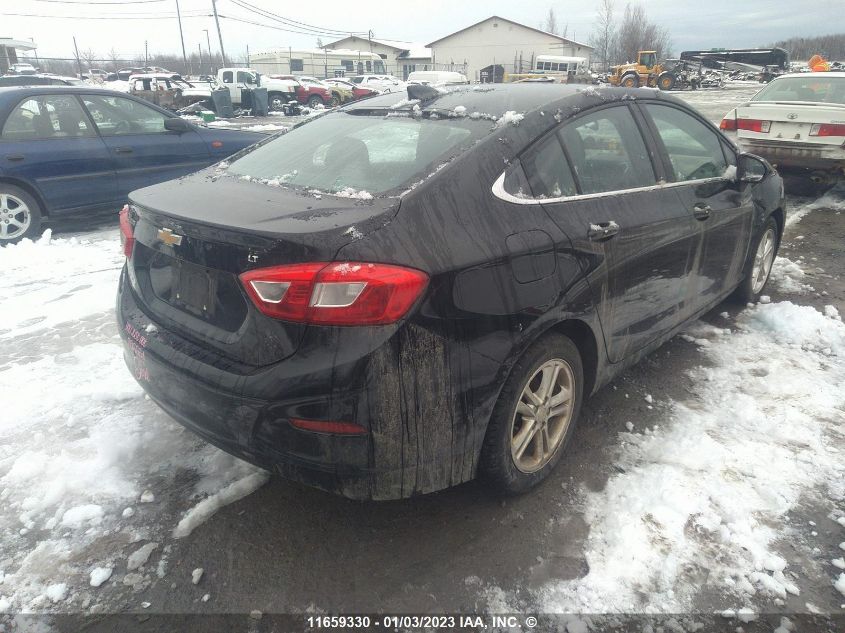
(602, 231)
(122, 150)
(14, 157)
(701, 211)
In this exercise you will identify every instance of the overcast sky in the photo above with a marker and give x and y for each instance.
(692, 23)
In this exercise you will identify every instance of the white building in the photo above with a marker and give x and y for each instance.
(9, 52)
(488, 49)
(400, 58)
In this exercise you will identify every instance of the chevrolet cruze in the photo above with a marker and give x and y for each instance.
(418, 289)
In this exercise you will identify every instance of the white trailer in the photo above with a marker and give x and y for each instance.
(318, 62)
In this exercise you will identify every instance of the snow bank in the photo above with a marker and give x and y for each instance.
(831, 201)
(707, 495)
(79, 443)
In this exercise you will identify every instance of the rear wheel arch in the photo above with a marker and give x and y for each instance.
(580, 333)
(780, 218)
(45, 210)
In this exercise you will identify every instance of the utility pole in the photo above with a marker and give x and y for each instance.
(210, 56)
(199, 48)
(182, 38)
(78, 63)
(146, 53)
(219, 32)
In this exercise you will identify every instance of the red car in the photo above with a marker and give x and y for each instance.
(358, 92)
(310, 92)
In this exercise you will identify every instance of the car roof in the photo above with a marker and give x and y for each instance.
(493, 99)
(829, 73)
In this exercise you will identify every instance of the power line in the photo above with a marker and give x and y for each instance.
(115, 16)
(268, 26)
(294, 23)
(91, 2)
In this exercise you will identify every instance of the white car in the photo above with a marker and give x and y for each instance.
(797, 122)
(437, 78)
(22, 69)
(381, 83)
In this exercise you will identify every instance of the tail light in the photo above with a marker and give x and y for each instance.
(348, 293)
(729, 125)
(827, 129)
(326, 426)
(754, 125)
(127, 232)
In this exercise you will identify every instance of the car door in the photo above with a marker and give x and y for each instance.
(703, 167)
(637, 242)
(48, 141)
(144, 151)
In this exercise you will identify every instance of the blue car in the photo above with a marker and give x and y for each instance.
(66, 149)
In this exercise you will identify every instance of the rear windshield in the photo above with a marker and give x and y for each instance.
(812, 87)
(371, 154)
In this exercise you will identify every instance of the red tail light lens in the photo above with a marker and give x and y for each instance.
(326, 426)
(827, 129)
(729, 125)
(754, 125)
(348, 293)
(127, 233)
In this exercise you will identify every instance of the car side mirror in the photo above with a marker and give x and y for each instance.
(176, 124)
(751, 168)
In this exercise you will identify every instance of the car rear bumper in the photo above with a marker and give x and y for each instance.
(794, 156)
(247, 411)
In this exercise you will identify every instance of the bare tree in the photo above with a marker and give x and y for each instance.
(114, 59)
(550, 25)
(89, 57)
(319, 42)
(636, 33)
(604, 32)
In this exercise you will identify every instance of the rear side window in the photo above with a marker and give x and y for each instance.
(44, 117)
(228, 77)
(608, 152)
(694, 150)
(547, 170)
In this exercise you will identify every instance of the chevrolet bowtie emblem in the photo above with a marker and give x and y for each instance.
(169, 237)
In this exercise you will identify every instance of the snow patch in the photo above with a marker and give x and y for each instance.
(99, 575)
(206, 508)
(511, 117)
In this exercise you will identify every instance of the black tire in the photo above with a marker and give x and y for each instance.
(666, 81)
(746, 292)
(276, 101)
(18, 206)
(803, 186)
(335, 101)
(630, 81)
(314, 101)
(497, 465)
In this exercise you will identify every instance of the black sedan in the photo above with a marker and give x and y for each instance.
(70, 149)
(405, 294)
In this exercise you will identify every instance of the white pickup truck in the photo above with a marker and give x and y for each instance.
(279, 91)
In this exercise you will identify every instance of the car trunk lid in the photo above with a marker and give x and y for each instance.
(195, 236)
(790, 122)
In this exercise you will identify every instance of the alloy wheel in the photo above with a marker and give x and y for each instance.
(543, 414)
(763, 260)
(15, 217)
